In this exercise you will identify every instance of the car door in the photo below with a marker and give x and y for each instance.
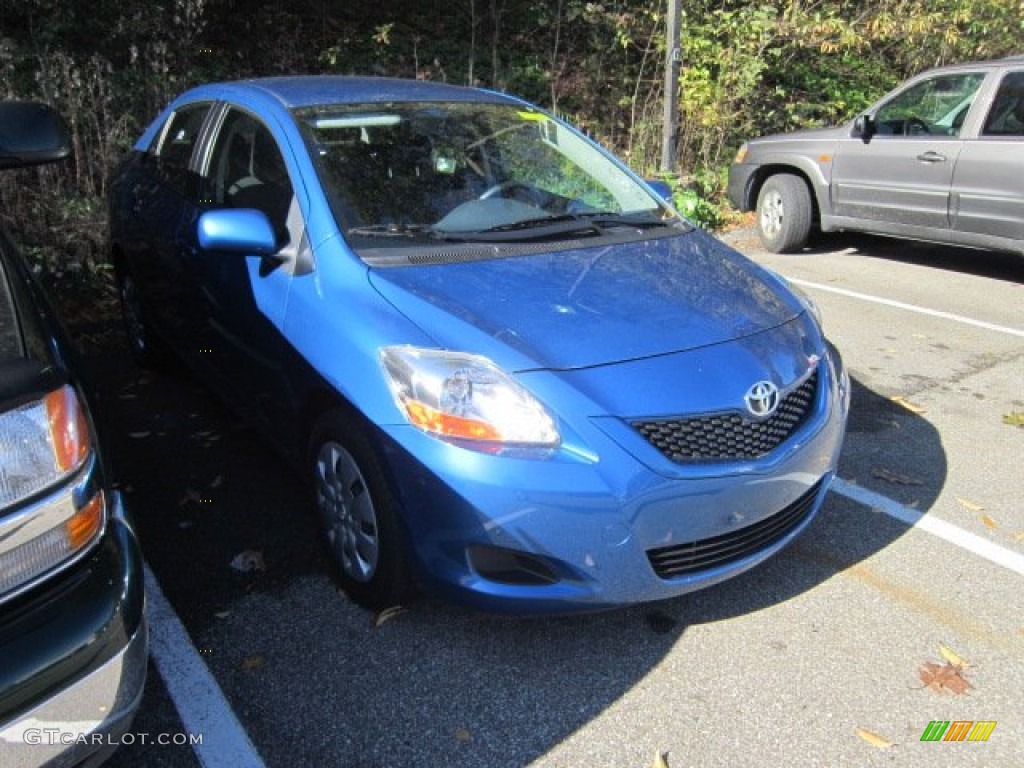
(988, 184)
(160, 196)
(245, 296)
(901, 173)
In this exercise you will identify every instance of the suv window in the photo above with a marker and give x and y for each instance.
(936, 106)
(1006, 117)
(177, 140)
(246, 170)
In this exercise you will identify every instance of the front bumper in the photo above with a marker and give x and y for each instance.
(75, 654)
(586, 523)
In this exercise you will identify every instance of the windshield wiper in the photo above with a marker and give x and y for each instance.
(526, 229)
(391, 230)
(636, 221)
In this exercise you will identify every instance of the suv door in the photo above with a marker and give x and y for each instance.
(988, 184)
(902, 173)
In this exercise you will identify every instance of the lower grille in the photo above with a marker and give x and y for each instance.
(683, 559)
(730, 436)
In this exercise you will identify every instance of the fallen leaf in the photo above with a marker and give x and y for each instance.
(249, 560)
(660, 760)
(943, 678)
(217, 481)
(463, 734)
(873, 738)
(386, 614)
(969, 505)
(952, 656)
(895, 477)
(989, 522)
(912, 407)
(184, 524)
(252, 662)
(139, 435)
(191, 495)
(1014, 419)
(1019, 536)
(222, 614)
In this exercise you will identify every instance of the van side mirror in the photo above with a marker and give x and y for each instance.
(31, 134)
(864, 126)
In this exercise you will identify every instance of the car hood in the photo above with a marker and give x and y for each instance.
(591, 306)
(807, 134)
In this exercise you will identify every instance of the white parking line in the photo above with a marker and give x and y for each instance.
(933, 525)
(196, 695)
(909, 307)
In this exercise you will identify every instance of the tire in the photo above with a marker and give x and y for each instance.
(784, 213)
(358, 514)
(145, 348)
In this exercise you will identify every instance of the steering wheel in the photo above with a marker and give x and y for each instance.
(515, 190)
(915, 126)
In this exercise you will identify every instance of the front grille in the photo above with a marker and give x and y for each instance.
(683, 559)
(730, 436)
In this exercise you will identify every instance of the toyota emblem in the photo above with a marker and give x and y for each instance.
(762, 399)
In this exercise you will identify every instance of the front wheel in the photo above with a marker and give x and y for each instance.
(358, 514)
(784, 213)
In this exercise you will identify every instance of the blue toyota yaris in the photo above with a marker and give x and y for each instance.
(511, 372)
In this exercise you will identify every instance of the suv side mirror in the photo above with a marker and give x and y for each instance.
(31, 134)
(864, 126)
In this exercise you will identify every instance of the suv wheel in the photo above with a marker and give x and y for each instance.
(358, 514)
(784, 213)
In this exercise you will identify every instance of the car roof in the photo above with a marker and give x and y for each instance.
(311, 90)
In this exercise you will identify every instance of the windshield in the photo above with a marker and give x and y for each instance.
(404, 173)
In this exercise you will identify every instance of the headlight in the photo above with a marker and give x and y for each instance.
(43, 443)
(465, 397)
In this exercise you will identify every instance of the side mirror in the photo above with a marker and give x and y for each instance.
(237, 230)
(31, 134)
(864, 126)
(661, 189)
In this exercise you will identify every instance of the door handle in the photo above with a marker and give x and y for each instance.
(932, 157)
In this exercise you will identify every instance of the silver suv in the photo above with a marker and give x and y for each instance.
(941, 159)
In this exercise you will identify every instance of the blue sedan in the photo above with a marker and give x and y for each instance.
(512, 374)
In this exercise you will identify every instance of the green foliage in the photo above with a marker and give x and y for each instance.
(749, 68)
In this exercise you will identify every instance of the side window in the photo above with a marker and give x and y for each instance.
(937, 106)
(247, 170)
(1006, 116)
(177, 141)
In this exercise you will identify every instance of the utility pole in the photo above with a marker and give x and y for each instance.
(673, 59)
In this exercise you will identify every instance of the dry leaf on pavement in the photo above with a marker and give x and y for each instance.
(952, 656)
(660, 760)
(912, 407)
(873, 738)
(386, 614)
(252, 662)
(969, 505)
(249, 560)
(945, 678)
